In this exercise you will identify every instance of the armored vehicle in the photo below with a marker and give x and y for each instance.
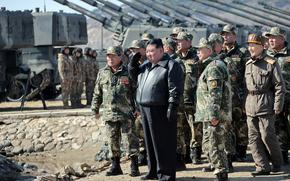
(28, 59)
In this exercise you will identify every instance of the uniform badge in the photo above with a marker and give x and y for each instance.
(213, 84)
(124, 80)
(288, 60)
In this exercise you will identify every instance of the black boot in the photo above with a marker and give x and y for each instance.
(285, 157)
(208, 168)
(115, 168)
(134, 167)
(230, 163)
(241, 153)
(187, 156)
(180, 164)
(221, 176)
(142, 158)
(196, 155)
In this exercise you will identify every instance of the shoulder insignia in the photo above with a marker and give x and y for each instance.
(213, 84)
(270, 60)
(249, 61)
(288, 60)
(190, 62)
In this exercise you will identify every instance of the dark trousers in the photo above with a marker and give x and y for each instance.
(160, 140)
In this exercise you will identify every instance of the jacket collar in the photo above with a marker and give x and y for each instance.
(163, 62)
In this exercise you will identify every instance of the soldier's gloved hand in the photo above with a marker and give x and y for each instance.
(172, 112)
(214, 122)
(134, 58)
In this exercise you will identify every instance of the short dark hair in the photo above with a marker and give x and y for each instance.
(156, 41)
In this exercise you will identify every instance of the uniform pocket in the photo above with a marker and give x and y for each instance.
(263, 77)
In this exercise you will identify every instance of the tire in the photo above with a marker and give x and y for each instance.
(16, 91)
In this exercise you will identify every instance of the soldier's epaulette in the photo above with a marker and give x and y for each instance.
(270, 60)
(243, 49)
(249, 61)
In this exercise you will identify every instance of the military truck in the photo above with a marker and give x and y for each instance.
(28, 59)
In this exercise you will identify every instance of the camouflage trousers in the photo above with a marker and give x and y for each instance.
(195, 127)
(282, 129)
(181, 138)
(239, 124)
(76, 92)
(140, 133)
(115, 131)
(65, 91)
(230, 138)
(90, 85)
(214, 140)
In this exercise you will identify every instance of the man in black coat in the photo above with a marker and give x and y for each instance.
(159, 84)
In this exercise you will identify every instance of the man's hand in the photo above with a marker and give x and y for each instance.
(136, 114)
(171, 113)
(134, 59)
(214, 122)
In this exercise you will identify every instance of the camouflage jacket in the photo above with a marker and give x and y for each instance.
(77, 69)
(64, 67)
(239, 57)
(265, 86)
(213, 93)
(91, 68)
(113, 92)
(283, 58)
(237, 85)
(190, 69)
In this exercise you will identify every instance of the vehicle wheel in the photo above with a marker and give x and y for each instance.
(16, 91)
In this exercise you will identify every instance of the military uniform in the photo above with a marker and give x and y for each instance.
(282, 124)
(77, 79)
(213, 96)
(237, 59)
(91, 71)
(113, 91)
(192, 130)
(265, 98)
(230, 142)
(64, 68)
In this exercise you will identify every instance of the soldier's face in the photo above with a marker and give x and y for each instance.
(113, 60)
(154, 54)
(66, 51)
(218, 47)
(255, 49)
(229, 38)
(276, 41)
(183, 44)
(203, 53)
(78, 54)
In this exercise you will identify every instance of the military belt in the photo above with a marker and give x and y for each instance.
(257, 92)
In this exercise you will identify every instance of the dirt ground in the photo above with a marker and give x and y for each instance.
(54, 162)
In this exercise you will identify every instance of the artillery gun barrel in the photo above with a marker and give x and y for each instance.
(111, 5)
(279, 15)
(154, 7)
(237, 13)
(135, 6)
(145, 10)
(108, 24)
(82, 10)
(185, 16)
(186, 12)
(281, 11)
(277, 21)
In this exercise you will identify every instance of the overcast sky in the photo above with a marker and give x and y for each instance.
(32, 4)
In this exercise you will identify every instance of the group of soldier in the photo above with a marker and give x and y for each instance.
(232, 97)
(77, 70)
